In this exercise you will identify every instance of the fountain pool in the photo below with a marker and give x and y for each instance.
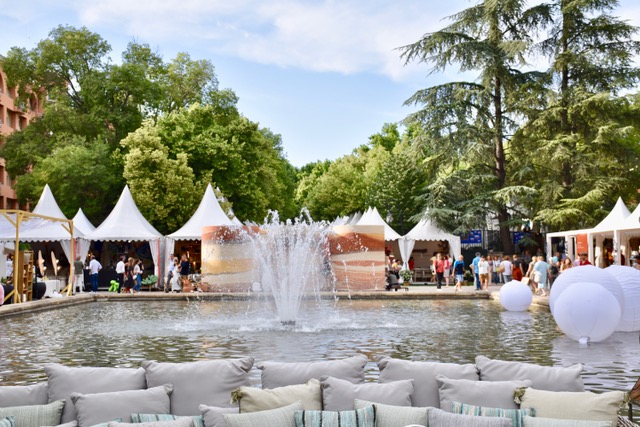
(123, 333)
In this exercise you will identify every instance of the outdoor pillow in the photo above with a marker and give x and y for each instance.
(515, 415)
(440, 418)
(64, 380)
(74, 423)
(494, 394)
(149, 418)
(363, 417)
(281, 417)
(34, 415)
(339, 395)
(552, 378)
(425, 387)
(182, 422)
(554, 422)
(252, 399)
(395, 416)
(279, 374)
(208, 382)
(23, 395)
(7, 422)
(103, 407)
(585, 405)
(214, 416)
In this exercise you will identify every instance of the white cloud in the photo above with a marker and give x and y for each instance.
(328, 35)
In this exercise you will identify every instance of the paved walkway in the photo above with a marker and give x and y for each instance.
(414, 292)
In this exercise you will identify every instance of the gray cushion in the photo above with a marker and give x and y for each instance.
(103, 407)
(22, 395)
(440, 418)
(552, 378)
(34, 415)
(555, 422)
(425, 388)
(252, 399)
(181, 422)
(339, 395)
(492, 394)
(214, 416)
(208, 382)
(280, 417)
(395, 416)
(278, 374)
(64, 380)
(363, 417)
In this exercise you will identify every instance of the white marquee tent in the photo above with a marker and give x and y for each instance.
(208, 213)
(126, 223)
(426, 230)
(372, 217)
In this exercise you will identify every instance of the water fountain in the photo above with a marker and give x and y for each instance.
(291, 260)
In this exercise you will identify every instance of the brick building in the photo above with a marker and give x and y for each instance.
(13, 117)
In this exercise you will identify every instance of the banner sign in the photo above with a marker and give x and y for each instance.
(474, 237)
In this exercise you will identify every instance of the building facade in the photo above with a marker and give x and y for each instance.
(13, 117)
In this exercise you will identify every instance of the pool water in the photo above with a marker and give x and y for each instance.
(124, 333)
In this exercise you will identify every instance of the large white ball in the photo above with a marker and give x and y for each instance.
(587, 311)
(515, 296)
(629, 279)
(585, 273)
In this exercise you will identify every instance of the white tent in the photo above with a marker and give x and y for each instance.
(426, 230)
(82, 223)
(52, 231)
(372, 217)
(126, 223)
(208, 213)
(609, 226)
(629, 228)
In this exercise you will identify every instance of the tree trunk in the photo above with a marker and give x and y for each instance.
(500, 171)
(565, 129)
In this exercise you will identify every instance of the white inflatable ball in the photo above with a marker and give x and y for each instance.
(587, 312)
(585, 273)
(629, 279)
(515, 296)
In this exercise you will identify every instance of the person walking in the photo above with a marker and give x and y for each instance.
(78, 275)
(483, 271)
(474, 270)
(94, 269)
(129, 281)
(184, 270)
(120, 273)
(517, 268)
(507, 268)
(458, 270)
(541, 270)
(447, 270)
(171, 269)
(137, 272)
(438, 267)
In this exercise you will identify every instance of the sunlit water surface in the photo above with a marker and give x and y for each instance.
(125, 333)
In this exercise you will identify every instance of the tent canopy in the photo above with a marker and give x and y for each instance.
(208, 213)
(427, 230)
(124, 223)
(614, 219)
(372, 217)
(82, 223)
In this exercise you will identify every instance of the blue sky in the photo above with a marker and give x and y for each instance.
(324, 74)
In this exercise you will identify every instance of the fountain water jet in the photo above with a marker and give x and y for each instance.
(291, 261)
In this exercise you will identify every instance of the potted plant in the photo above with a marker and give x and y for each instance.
(406, 276)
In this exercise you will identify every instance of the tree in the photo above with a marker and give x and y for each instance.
(585, 132)
(164, 189)
(466, 123)
(80, 175)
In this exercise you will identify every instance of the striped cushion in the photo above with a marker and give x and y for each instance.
(395, 416)
(7, 422)
(515, 415)
(364, 417)
(35, 415)
(146, 418)
(183, 422)
(281, 417)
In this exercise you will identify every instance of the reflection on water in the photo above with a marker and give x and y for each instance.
(125, 333)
